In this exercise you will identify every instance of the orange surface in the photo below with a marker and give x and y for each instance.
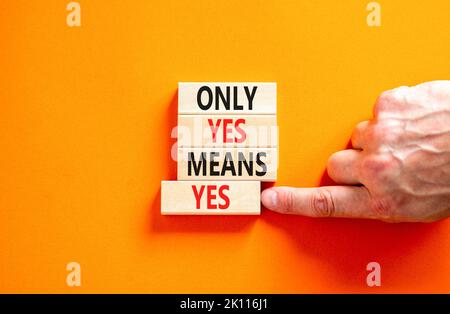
(85, 120)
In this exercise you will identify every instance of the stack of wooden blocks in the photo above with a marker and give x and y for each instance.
(227, 145)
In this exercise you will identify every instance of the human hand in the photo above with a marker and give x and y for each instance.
(399, 169)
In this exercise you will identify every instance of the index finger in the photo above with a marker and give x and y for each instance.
(327, 201)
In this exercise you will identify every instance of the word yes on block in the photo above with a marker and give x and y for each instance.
(232, 98)
(210, 198)
(227, 130)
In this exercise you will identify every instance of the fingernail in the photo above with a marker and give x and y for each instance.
(270, 199)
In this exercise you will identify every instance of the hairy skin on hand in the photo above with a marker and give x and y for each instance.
(399, 169)
(405, 153)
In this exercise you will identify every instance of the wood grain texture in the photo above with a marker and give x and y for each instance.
(260, 164)
(194, 197)
(263, 101)
(227, 131)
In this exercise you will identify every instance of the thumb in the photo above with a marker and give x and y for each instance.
(329, 201)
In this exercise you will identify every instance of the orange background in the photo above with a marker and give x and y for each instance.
(85, 121)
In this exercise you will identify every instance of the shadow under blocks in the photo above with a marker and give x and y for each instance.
(187, 223)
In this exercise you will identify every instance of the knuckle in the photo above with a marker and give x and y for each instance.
(375, 165)
(361, 127)
(386, 96)
(382, 209)
(377, 132)
(356, 134)
(288, 203)
(334, 165)
(386, 131)
(332, 161)
(358, 137)
(388, 99)
(398, 94)
(322, 203)
(383, 102)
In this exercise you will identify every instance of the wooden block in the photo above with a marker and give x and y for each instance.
(210, 197)
(253, 164)
(227, 98)
(227, 131)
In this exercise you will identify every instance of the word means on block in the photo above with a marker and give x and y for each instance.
(210, 198)
(227, 98)
(227, 131)
(254, 164)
